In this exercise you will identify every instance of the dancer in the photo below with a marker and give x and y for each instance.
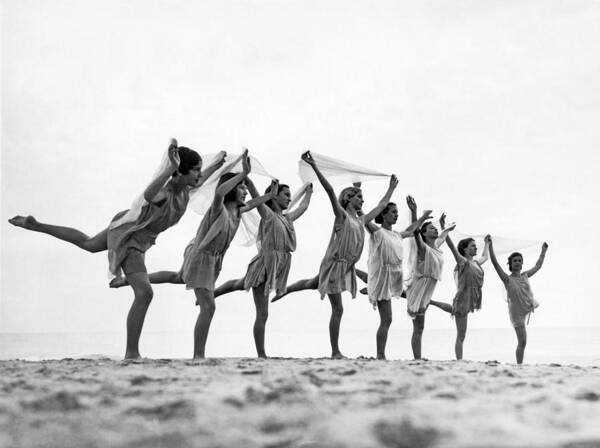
(166, 199)
(385, 265)
(268, 271)
(337, 272)
(426, 272)
(468, 275)
(518, 292)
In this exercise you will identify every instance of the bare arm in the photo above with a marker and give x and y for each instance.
(457, 256)
(416, 224)
(299, 211)
(412, 206)
(383, 202)
(229, 185)
(485, 255)
(153, 192)
(338, 211)
(259, 201)
(539, 262)
(210, 170)
(503, 276)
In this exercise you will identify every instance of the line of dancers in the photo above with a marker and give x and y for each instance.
(132, 232)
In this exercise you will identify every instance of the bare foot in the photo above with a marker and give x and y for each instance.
(381, 357)
(364, 291)
(133, 355)
(338, 355)
(117, 282)
(276, 298)
(27, 222)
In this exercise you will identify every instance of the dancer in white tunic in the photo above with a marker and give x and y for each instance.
(518, 293)
(385, 266)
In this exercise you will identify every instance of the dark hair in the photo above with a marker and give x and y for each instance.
(346, 194)
(188, 159)
(463, 244)
(231, 194)
(423, 228)
(269, 203)
(379, 217)
(510, 259)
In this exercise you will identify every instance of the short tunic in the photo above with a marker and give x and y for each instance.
(426, 274)
(520, 299)
(271, 267)
(204, 256)
(337, 272)
(140, 235)
(469, 279)
(384, 265)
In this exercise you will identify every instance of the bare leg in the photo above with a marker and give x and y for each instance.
(362, 275)
(418, 327)
(385, 320)
(93, 244)
(230, 286)
(143, 294)
(521, 343)
(155, 277)
(206, 300)
(300, 285)
(442, 306)
(262, 313)
(461, 333)
(337, 309)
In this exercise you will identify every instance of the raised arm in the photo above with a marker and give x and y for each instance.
(259, 201)
(485, 254)
(299, 211)
(338, 211)
(539, 262)
(457, 256)
(445, 230)
(416, 224)
(153, 191)
(383, 202)
(229, 185)
(210, 170)
(412, 206)
(503, 276)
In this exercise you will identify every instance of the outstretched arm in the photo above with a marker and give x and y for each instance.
(210, 170)
(229, 185)
(539, 262)
(299, 211)
(457, 256)
(259, 201)
(338, 211)
(485, 254)
(445, 230)
(412, 206)
(383, 202)
(153, 192)
(503, 276)
(416, 224)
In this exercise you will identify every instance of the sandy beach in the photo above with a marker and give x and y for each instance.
(239, 402)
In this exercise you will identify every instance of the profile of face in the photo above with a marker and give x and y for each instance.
(240, 193)
(471, 249)
(192, 177)
(357, 200)
(391, 216)
(515, 263)
(429, 231)
(283, 198)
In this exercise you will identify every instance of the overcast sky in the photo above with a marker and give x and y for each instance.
(485, 110)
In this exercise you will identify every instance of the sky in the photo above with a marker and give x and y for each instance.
(484, 110)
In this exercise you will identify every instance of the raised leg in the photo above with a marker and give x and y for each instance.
(521, 343)
(461, 333)
(385, 320)
(362, 275)
(262, 314)
(230, 286)
(415, 342)
(442, 306)
(143, 294)
(155, 277)
(97, 243)
(300, 285)
(206, 300)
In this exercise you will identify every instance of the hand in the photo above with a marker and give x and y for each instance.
(393, 182)
(488, 239)
(246, 161)
(274, 188)
(412, 205)
(451, 227)
(174, 153)
(426, 215)
(545, 246)
(220, 159)
(308, 158)
(443, 221)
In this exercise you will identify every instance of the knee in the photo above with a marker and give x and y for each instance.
(262, 315)
(144, 294)
(521, 344)
(337, 311)
(208, 309)
(460, 336)
(418, 327)
(386, 321)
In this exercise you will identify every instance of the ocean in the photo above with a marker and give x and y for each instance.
(579, 346)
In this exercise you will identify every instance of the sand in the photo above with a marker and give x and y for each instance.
(238, 402)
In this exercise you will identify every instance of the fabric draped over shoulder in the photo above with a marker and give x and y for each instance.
(469, 281)
(140, 234)
(276, 241)
(521, 302)
(204, 256)
(337, 272)
(384, 265)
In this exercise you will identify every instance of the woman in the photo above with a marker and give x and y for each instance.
(518, 292)
(426, 272)
(166, 199)
(469, 281)
(268, 271)
(385, 265)
(337, 272)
